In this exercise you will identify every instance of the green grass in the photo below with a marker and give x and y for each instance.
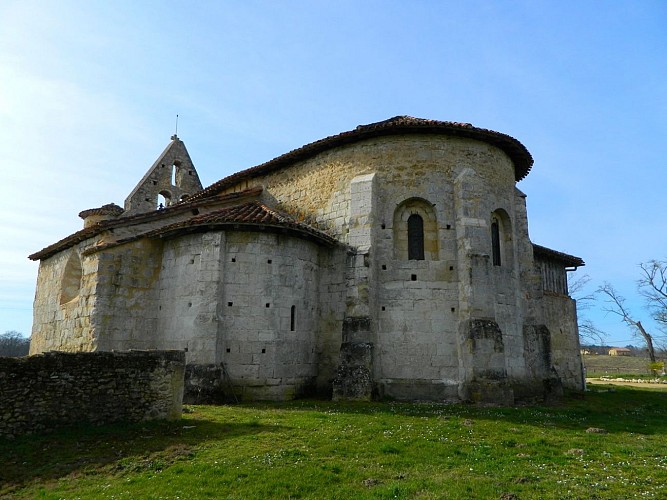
(321, 449)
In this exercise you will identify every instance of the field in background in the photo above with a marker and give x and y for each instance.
(610, 443)
(600, 365)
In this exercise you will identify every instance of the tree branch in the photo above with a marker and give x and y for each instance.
(617, 306)
(653, 287)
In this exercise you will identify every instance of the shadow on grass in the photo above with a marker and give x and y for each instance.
(116, 448)
(612, 408)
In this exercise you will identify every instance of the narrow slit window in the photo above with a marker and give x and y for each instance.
(495, 242)
(173, 175)
(292, 318)
(415, 237)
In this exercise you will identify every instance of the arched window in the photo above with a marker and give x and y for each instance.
(163, 199)
(502, 248)
(415, 230)
(71, 283)
(415, 237)
(495, 241)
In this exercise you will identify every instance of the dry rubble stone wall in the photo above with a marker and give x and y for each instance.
(57, 389)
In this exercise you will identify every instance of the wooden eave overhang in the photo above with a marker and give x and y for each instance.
(564, 258)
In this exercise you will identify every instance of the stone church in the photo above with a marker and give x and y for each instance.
(389, 261)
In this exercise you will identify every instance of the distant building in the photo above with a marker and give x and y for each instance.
(392, 260)
(620, 351)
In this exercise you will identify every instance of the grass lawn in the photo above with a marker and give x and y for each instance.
(610, 444)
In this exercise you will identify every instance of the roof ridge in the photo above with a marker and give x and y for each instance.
(411, 120)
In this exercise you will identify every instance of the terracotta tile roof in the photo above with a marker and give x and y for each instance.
(100, 227)
(568, 260)
(522, 159)
(71, 240)
(251, 215)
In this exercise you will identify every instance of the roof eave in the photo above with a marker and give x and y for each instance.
(320, 238)
(569, 260)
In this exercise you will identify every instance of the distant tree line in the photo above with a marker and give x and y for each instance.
(14, 344)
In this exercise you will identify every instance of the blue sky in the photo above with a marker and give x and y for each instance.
(89, 91)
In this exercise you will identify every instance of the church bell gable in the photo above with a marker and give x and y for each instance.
(171, 179)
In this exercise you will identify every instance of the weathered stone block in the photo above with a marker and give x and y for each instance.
(353, 379)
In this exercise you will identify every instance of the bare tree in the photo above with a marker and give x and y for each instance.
(13, 344)
(617, 306)
(588, 332)
(653, 287)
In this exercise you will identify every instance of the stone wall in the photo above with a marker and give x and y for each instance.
(319, 187)
(418, 310)
(62, 321)
(250, 300)
(70, 318)
(125, 281)
(269, 314)
(561, 319)
(189, 291)
(56, 389)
